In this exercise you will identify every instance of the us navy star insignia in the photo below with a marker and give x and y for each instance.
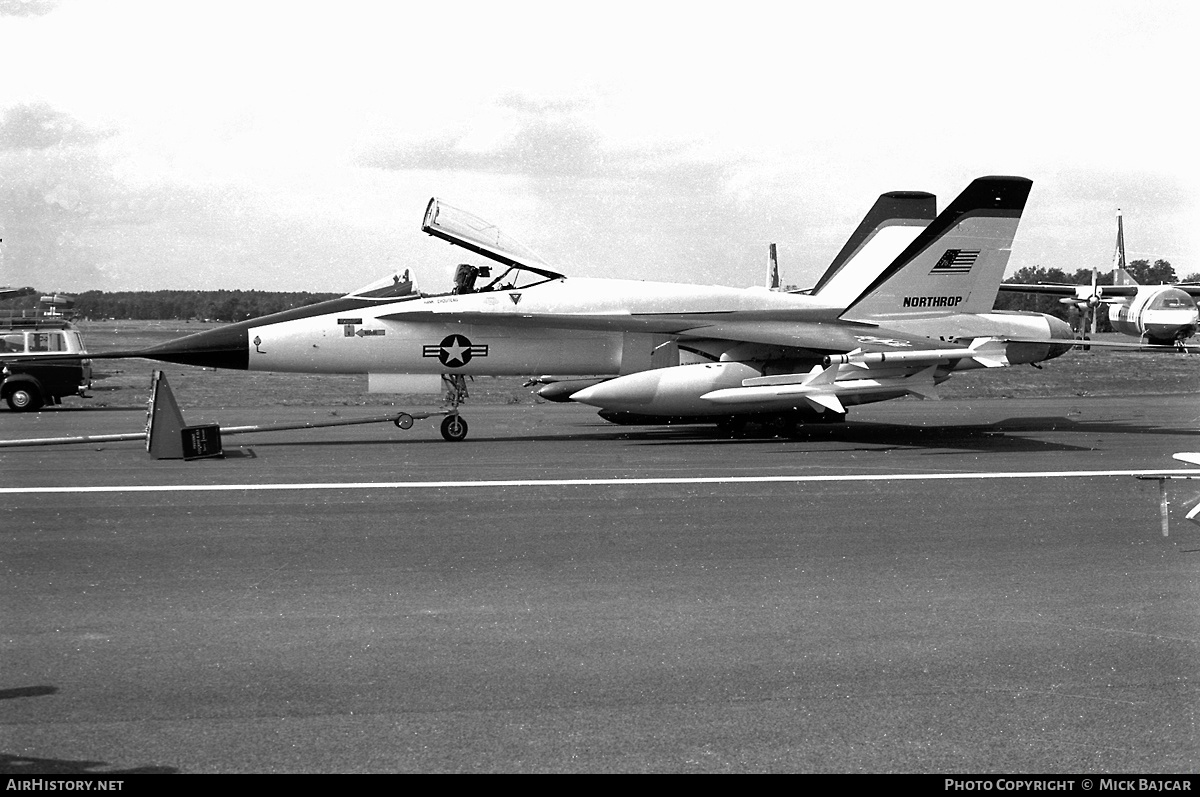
(454, 351)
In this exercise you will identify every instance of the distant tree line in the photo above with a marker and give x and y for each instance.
(181, 305)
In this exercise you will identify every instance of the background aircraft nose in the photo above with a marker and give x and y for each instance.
(224, 347)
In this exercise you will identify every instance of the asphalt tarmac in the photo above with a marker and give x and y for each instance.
(970, 587)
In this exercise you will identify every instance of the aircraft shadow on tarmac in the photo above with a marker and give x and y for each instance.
(69, 409)
(20, 765)
(27, 691)
(1004, 436)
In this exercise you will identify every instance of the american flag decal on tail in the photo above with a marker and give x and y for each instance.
(956, 261)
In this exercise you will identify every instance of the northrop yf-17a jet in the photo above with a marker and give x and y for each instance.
(894, 327)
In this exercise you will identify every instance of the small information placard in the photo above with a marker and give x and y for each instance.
(201, 441)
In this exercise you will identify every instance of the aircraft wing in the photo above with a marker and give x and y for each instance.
(1120, 291)
(806, 337)
(483, 238)
(811, 336)
(1048, 289)
(614, 322)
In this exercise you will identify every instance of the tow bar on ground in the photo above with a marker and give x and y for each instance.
(168, 437)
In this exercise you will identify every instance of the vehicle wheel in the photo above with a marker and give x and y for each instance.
(22, 399)
(454, 428)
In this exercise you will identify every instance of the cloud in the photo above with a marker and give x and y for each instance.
(68, 224)
(38, 126)
(539, 149)
(27, 8)
(1070, 222)
(69, 221)
(584, 193)
(53, 183)
(516, 136)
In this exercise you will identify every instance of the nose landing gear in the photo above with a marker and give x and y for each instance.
(454, 428)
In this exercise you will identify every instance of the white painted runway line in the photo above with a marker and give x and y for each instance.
(622, 482)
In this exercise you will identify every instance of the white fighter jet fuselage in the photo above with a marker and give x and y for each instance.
(610, 327)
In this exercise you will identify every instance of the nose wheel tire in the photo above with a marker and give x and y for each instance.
(454, 428)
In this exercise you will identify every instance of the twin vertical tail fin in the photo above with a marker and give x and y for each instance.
(954, 265)
(889, 227)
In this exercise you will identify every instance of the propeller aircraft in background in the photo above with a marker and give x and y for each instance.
(1157, 315)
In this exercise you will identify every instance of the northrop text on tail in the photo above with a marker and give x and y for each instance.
(907, 303)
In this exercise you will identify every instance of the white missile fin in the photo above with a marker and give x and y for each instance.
(1190, 457)
(782, 379)
(917, 385)
(826, 401)
(990, 352)
(858, 363)
(825, 377)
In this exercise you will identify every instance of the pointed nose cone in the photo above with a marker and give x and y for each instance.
(224, 347)
(623, 393)
(585, 396)
(564, 391)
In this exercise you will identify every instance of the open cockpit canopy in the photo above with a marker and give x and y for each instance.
(474, 234)
(524, 268)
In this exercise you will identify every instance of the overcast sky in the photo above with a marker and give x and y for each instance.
(294, 145)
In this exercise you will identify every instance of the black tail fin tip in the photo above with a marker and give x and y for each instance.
(985, 196)
(993, 193)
